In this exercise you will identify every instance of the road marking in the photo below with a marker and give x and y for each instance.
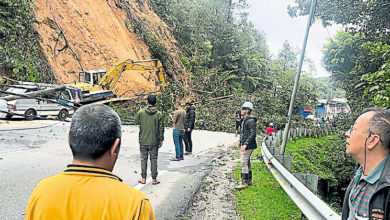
(28, 128)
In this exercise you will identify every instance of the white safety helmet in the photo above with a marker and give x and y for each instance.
(247, 105)
(271, 124)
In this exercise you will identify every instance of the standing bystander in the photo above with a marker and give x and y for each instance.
(178, 131)
(189, 126)
(270, 128)
(88, 189)
(151, 137)
(247, 144)
(368, 142)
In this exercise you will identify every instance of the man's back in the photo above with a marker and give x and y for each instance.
(179, 117)
(151, 126)
(83, 192)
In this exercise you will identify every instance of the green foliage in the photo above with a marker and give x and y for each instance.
(255, 201)
(377, 84)
(20, 54)
(156, 47)
(288, 56)
(360, 68)
(186, 62)
(326, 157)
(164, 104)
(227, 55)
(346, 58)
(217, 43)
(370, 17)
(325, 88)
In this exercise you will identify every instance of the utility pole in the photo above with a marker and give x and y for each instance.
(296, 84)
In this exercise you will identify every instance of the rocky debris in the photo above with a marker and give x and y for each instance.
(215, 198)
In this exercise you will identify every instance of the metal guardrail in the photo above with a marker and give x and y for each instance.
(309, 203)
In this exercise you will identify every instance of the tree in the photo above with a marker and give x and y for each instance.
(20, 55)
(345, 57)
(288, 56)
(376, 84)
(369, 17)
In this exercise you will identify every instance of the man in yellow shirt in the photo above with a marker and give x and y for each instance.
(88, 189)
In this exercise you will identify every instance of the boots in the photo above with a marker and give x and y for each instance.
(250, 178)
(244, 182)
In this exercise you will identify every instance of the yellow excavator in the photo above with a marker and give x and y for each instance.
(96, 82)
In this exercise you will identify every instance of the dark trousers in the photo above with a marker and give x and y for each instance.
(238, 125)
(147, 150)
(188, 140)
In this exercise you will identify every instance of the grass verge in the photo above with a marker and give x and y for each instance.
(265, 199)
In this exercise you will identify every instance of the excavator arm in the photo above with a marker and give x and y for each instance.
(109, 80)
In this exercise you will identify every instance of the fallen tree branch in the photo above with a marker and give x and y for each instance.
(213, 99)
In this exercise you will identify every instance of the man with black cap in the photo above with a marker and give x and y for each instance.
(151, 137)
(188, 127)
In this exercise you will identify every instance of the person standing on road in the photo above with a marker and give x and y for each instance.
(368, 142)
(270, 128)
(238, 120)
(189, 126)
(151, 137)
(88, 189)
(178, 131)
(247, 144)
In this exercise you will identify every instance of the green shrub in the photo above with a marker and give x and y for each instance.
(325, 157)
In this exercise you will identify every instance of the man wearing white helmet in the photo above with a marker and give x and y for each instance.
(247, 144)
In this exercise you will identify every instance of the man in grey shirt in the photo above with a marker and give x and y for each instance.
(178, 131)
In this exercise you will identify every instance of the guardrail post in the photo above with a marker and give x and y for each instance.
(300, 132)
(277, 151)
(279, 136)
(287, 160)
(284, 160)
(309, 180)
(312, 182)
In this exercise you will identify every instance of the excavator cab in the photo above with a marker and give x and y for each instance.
(91, 76)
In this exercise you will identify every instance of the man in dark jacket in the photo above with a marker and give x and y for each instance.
(247, 144)
(188, 127)
(368, 142)
(151, 137)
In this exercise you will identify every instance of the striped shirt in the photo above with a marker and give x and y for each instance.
(362, 191)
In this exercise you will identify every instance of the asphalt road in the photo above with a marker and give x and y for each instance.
(31, 151)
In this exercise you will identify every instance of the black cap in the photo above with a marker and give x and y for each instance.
(188, 103)
(152, 99)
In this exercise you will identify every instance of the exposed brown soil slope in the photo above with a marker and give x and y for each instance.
(92, 34)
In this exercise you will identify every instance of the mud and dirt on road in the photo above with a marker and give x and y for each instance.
(98, 34)
(215, 197)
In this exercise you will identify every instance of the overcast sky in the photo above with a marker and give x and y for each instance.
(271, 17)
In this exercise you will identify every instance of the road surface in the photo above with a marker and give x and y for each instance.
(31, 151)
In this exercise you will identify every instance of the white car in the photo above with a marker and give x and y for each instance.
(31, 108)
(3, 108)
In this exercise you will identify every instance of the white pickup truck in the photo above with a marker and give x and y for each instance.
(3, 108)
